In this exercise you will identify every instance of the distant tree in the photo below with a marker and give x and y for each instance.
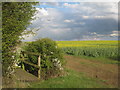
(16, 16)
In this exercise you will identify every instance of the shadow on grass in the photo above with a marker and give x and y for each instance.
(115, 58)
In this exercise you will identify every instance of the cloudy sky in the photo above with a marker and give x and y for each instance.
(75, 21)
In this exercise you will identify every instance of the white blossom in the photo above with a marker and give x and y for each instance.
(58, 61)
(51, 52)
(13, 57)
(61, 68)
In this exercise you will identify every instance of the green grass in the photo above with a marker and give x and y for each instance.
(101, 59)
(72, 80)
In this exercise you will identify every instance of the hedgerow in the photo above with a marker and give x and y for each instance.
(51, 57)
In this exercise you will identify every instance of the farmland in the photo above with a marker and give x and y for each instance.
(83, 73)
(91, 64)
(90, 48)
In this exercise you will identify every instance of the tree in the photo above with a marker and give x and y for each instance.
(16, 16)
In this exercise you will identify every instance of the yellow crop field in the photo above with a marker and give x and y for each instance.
(90, 48)
(87, 43)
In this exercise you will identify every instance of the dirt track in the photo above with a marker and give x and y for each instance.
(93, 68)
(108, 73)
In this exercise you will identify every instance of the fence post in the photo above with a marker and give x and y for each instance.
(39, 66)
(23, 67)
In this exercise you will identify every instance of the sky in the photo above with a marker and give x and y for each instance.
(74, 21)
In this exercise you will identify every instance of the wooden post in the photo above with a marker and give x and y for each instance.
(23, 67)
(39, 68)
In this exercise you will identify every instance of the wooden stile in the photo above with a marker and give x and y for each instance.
(36, 66)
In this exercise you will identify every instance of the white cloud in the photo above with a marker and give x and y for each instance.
(46, 17)
(68, 21)
(42, 11)
(50, 3)
(29, 37)
(60, 31)
(93, 33)
(95, 9)
(66, 4)
(71, 5)
(87, 37)
(99, 17)
(115, 33)
(77, 21)
(85, 17)
(40, 14)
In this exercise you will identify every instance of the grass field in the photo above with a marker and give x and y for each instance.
(72, 80)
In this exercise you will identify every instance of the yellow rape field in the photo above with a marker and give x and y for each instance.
(90, 48)
(102, 44)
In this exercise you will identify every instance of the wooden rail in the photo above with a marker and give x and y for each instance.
(34, 65)
(32, 53)
(26, 62)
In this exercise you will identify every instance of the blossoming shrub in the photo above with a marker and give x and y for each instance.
(51, 57)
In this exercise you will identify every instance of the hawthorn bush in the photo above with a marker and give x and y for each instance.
(51, 57)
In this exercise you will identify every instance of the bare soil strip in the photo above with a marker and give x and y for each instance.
(93, 68)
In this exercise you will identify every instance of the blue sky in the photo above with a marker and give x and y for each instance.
(75, 21)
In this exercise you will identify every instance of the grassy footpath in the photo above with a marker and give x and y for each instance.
(103, 60)
(71, 80)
